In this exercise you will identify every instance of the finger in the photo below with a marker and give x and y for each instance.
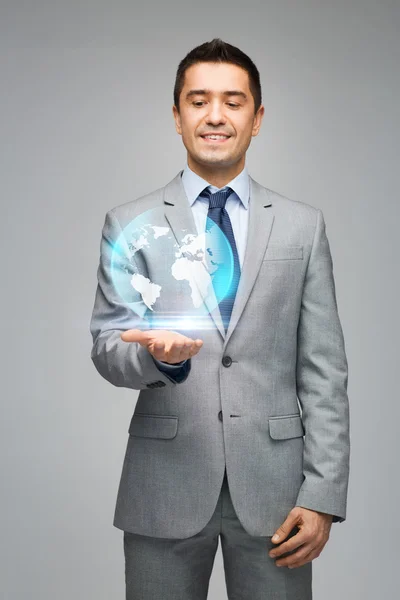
(286, 527)
(185, 351)
(304, 559)
(190, 348)
(174, 353)
(158, 350)
(196, 347)
(294, 542)
(295, 557)
(134, 335)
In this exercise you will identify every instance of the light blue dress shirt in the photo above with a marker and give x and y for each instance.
(237, 206)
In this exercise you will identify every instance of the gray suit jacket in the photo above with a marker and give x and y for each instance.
(268, 399)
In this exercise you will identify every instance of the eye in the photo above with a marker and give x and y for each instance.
(201, 102)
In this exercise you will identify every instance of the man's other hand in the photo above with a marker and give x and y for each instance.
(168, 346)
(314, 529)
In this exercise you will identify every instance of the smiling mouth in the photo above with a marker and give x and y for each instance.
(215, 138)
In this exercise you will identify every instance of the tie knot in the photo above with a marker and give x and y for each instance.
(219, 198)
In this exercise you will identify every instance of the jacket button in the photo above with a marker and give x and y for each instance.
(220, 415)
(227, 361)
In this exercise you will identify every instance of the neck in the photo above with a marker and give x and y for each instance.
(215, 174)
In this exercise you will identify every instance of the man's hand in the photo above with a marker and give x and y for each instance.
(314, 533)
(168, 346)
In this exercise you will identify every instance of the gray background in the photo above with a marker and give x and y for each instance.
(86, 124)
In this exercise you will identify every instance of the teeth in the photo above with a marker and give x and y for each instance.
(216, 137)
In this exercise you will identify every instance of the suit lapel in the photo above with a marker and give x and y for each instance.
(180, 218)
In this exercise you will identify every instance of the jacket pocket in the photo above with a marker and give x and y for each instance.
(154, 426)
(286, 427)
(283, 252)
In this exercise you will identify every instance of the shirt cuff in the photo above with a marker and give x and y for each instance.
(177, 372)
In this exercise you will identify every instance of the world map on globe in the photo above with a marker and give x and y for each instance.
(187, 270)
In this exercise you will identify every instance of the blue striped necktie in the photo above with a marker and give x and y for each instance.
(218, 213)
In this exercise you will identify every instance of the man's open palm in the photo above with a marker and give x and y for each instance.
(168, 346)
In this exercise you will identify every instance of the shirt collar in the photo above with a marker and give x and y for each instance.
(194, 185)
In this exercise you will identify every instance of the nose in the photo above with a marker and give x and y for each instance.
(215, 114)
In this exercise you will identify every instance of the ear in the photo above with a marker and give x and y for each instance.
(257, 120)
(177, 120)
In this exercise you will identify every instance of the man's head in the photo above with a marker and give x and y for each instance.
(217, 90)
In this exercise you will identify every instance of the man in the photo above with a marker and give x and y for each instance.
(217, 444)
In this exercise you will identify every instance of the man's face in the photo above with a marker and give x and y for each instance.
(206, 107)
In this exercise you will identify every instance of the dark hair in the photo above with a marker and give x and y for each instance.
(219, 51)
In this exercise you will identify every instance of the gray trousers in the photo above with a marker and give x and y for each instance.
(180, 569)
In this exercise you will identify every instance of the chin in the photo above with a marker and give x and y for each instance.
(212, 157)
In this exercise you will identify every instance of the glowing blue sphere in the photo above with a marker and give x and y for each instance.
(159, 280)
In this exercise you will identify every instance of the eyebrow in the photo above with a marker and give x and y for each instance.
(226, 93)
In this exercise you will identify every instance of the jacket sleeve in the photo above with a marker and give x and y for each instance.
(123, 364)
(321, 379)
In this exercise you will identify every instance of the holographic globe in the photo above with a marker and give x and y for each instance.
(171, 285)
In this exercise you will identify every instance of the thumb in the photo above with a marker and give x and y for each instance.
(286, 527)
(134, 335)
